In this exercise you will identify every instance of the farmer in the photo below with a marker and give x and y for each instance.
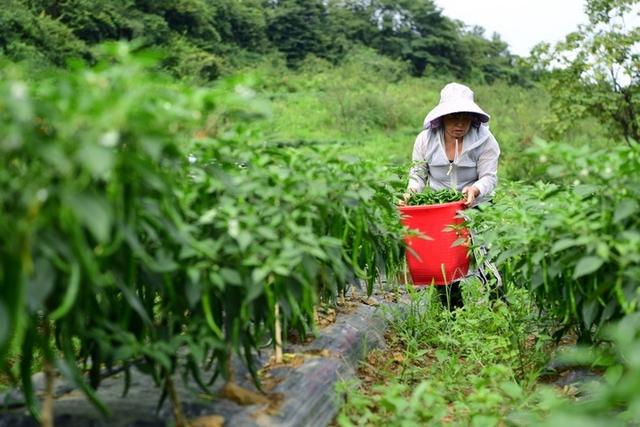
(455, 148)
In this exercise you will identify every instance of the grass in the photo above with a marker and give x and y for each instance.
(376, 111)
(473, 366)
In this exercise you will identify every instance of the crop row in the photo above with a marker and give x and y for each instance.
(140, 216)
(573, 238)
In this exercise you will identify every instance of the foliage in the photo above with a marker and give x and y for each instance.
(594, 72)
(370, 105)
(473, 366)
(183, 58)
(516, 114)
(202, 32)
(575, 243)
(37, 38)
(297, 28)
(489, 60)
(418, 33)
(612, 400)
(118, 250)
(432, 197)
(89, 218)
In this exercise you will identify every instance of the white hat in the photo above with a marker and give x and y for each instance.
(455, 98)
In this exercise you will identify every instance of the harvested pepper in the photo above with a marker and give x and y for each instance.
(433, 197)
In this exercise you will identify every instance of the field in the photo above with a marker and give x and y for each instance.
(174, 215)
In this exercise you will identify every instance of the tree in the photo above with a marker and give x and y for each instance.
(37, 38)
(490, 60)
(92, 22)
(297, 28)
(205, 38)
(242, 23)
(418, 32)
(595, 71)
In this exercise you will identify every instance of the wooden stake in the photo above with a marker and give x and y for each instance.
(404, 268)
(47, 405)
(181, 421)
(278, 333)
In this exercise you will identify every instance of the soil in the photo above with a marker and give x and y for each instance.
(310, 368)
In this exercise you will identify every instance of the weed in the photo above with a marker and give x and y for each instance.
(475, 365)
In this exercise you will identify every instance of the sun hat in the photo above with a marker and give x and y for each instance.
(455, 98)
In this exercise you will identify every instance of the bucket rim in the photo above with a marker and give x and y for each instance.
(434, 206)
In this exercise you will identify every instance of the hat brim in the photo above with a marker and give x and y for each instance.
(457, 106)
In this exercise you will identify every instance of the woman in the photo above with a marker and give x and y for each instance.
(456, 149)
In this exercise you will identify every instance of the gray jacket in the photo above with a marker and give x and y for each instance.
(477, 164)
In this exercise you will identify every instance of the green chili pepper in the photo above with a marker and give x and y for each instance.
(433, 197)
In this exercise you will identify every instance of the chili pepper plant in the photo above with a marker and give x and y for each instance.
(142, 219)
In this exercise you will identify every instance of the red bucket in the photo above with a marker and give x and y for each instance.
(436, 260)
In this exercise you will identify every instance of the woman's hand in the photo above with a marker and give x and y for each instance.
(470, 193)
(405, 198)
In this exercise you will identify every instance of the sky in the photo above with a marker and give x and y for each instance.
(520, 23)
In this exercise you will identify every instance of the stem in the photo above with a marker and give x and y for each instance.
(278, 334)
(404, 270)
(49, 379)
(181, 421)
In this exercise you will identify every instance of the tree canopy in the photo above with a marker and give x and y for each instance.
(204, 37)
(594, 72)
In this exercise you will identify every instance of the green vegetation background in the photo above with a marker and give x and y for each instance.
(362, 75)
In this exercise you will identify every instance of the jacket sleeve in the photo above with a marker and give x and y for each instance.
(488, 167)
(419, 170)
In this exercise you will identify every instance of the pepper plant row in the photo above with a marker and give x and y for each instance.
(140, 216)
(574, 240)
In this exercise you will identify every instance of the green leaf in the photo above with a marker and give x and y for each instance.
(98, 160)
(589, 312)
(70, 372)
(366, 193)
(253, 292)
(613, 374)
(159, 356)
(208, 315)
(70, 295)
(259, 274)
(556, 170)
(217, 280)
(563, 244)
(625, 209)
(94, 212)
(587, 265)
(163, 262)
(193, 292)
(208, 216)
(41, 284)
(513, 390)
(231, 276)
(134, 302)
(267, 233)
(584, 190)
(244, 239)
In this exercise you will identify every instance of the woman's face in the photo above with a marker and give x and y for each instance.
(457, 125)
